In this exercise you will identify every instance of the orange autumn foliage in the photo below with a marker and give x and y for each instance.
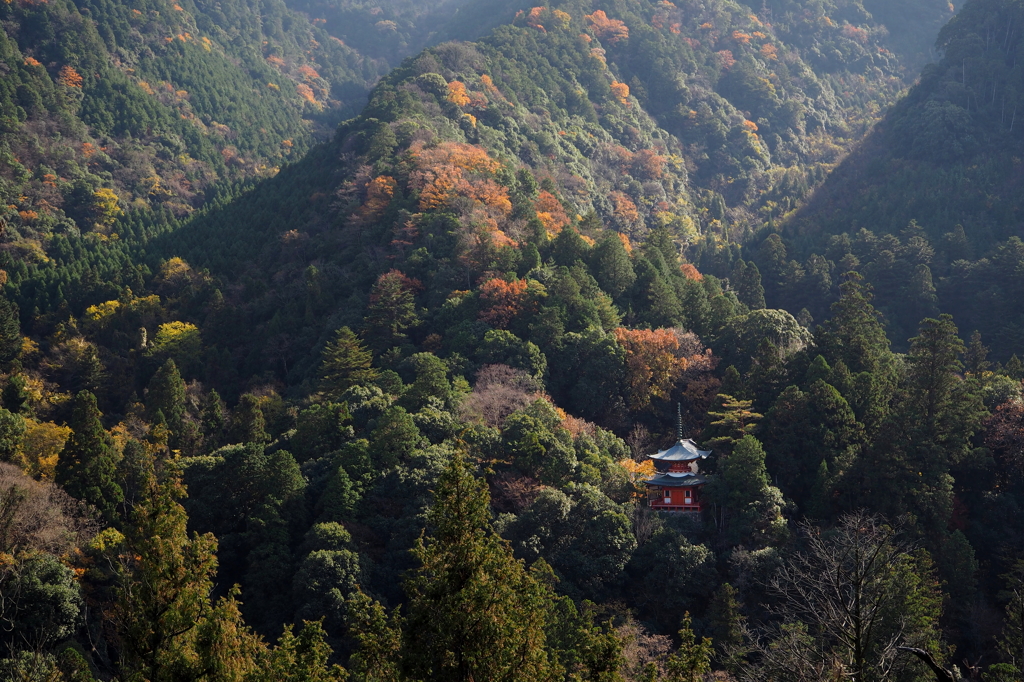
(533, 19)
(440, 187)
(654, 363)
(620, 90)
(308, 72)
(466, 157)
(858, 34)
(69, 77)
(726, 59)
(612, 30)
(643, 470)
(490, 88)
(550, 212)
(648, 164)
(741, 37)
(306, 93)
(378, 195)
(454, 169)
(624, 208)
(457, 93)
(501, 301)
(691, 273)
(769, 51)
(626, 244)
(30, 61)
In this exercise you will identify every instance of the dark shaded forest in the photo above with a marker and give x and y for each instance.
(304, 380)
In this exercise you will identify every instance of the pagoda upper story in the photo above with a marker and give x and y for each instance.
(683, 456)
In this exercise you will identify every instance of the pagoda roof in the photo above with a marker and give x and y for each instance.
(683, 451)
(677, 479)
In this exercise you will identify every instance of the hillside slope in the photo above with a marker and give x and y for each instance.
(928, 207)
(108, 108)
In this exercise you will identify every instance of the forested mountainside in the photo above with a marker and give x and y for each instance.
(386, 414)
(928, 207)
(110, 107)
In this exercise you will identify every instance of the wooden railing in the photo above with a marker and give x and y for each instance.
(662, 506)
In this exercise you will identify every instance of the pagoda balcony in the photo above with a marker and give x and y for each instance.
(661, 505)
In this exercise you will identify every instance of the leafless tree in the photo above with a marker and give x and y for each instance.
(843, 603)
(640, 442)
(39, 516)
(499, 391)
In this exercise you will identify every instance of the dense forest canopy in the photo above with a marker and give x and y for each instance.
(335, 339)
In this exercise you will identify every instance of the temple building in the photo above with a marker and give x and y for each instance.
(677, 481)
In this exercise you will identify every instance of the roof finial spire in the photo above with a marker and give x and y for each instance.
(679, 420)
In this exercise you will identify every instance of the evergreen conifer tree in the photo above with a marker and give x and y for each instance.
(746, 280)
(568, 248)
(612, 268)
(10, 331)
(12, 430)
(474, 612)
(166, 394)
(855, 336)
(750, 508)
(346, 362)
(1014, 368)
(974, 358)
(15, 394)
(392, 311)
(692, 660)
(726, 623)
(733, 420)
(248, 425)
(213, 420)
(87, 466)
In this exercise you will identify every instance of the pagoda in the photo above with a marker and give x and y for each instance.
(677, 481)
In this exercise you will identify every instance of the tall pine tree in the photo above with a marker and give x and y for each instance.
(474, 612)
(346, 362)
(87, 466)
(166, 395)
(856, 338)
(10, 331)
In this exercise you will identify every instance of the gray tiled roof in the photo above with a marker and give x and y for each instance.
(683, 451)
(677, 480)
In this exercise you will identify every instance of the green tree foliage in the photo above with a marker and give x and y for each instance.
(474, 611)
(165, 585)
(12, 431)
(166, 395)
(727, 623)
(929, 431)
(10, 330)
(248, 424)
(1012, 642)
(854, 336)
(42, 605)
(378, 638)
(392, 311)
(15, 396)
(612, 267)
(86, 466)
(346, 363)
(734, 420)
(537, 200)
(804, 430)
(749, 507)
(692, 661)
